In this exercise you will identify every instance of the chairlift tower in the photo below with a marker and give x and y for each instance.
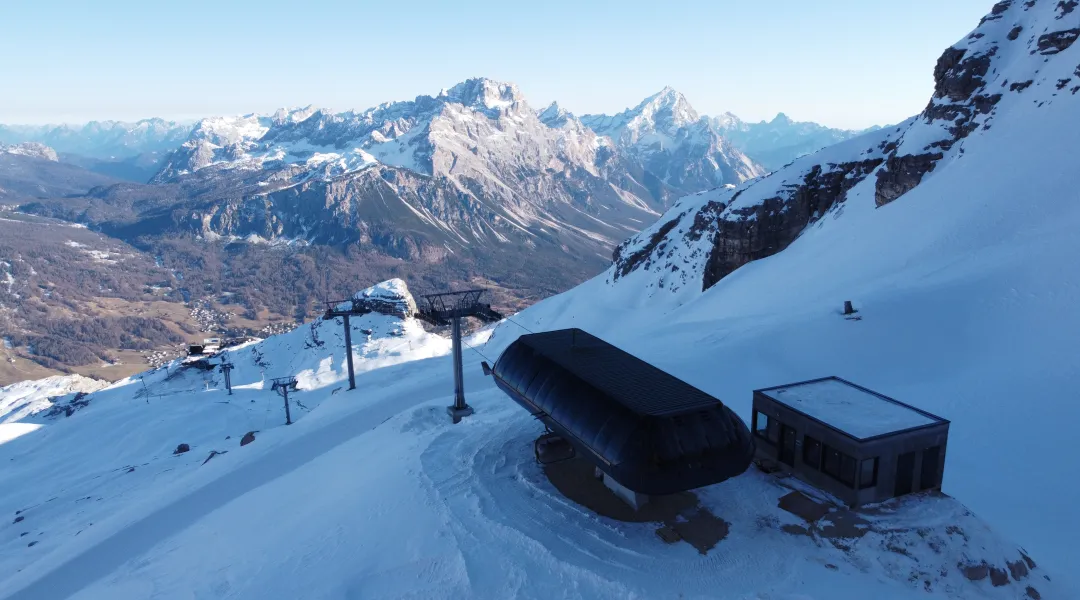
(356, 308)
(226, 368)
(284, 385)
(448, 309)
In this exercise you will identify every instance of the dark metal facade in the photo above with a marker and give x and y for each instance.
(650, 431)
(856, 470)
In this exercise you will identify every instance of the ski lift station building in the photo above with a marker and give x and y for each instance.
(856, 444)
(647, 431)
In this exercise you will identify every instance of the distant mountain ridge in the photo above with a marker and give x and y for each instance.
(135, 150)
(117, 149)
(104, 140)
(777, 142)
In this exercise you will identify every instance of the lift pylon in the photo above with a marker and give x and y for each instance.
(449, 308)
(354, 308)
(284, 385)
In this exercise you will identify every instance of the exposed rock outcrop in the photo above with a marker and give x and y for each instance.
(767, 228)
(901, 174)
(390, 297)
(1052, 43)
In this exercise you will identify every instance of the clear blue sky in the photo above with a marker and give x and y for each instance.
(844, 63)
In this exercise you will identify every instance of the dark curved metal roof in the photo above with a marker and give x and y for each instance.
(649, 430)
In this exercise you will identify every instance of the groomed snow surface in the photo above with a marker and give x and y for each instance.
(373, 493)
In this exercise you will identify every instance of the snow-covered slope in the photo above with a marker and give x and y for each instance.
(25, 399)
(374, 493)
(69, 475)
(953, 234)
(963, 276)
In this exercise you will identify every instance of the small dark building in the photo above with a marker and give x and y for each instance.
(854, 443)
(650, 432)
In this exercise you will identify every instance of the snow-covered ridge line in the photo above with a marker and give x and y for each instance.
(993, 74)
(32, 149)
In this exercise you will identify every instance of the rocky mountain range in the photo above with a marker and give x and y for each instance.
(262, 215)
(776, 143)
(124, 150)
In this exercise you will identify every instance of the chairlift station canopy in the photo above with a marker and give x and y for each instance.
(650, 431)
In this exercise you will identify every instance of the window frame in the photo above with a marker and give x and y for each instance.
(770, 433)
(843, 462)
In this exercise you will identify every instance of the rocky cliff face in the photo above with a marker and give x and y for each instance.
(994, 70)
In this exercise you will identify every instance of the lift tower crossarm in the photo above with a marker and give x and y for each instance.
(449, 308)
(355, 310)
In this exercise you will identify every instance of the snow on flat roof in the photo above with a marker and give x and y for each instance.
(854, 411)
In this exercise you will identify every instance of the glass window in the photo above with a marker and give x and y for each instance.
(838, 465)
(868, 473)
(811, 452)
(761, 424)
(766, 427)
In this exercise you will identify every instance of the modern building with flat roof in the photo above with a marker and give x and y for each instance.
(854, 443)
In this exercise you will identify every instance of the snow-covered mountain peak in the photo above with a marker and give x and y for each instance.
(666, 109)
(678, 145)
(728, 120)
(293, 115)
(665, 112)
(482, 93)
(391, 297)
(554, 115)
(32, 149)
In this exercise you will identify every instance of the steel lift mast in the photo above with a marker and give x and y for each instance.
(284, 385)
(448, 309)
(355, 309)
